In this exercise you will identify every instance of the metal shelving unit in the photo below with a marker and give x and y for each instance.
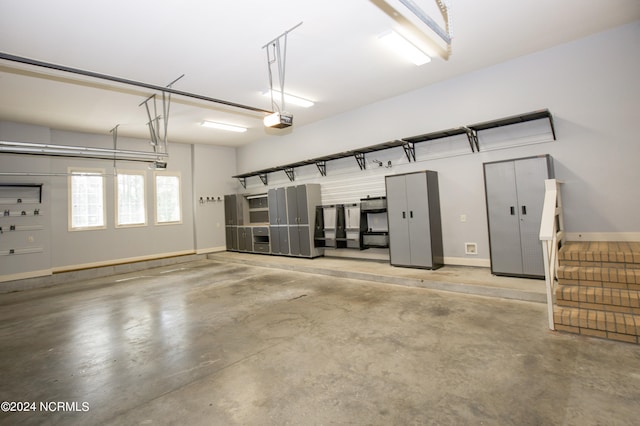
(408, 144)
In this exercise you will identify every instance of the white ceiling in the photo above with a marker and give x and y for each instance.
(333, 58)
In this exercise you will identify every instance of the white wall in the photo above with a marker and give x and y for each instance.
(591, 88)
(212, 167)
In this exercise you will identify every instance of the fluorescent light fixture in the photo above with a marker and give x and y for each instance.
(404, 47)
(222, 126)
(290, 99)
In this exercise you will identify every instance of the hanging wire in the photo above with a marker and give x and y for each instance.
(280, 58)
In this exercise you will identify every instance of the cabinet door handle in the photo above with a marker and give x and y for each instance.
(524, 209)
(404, 215)
(513, 210)
(411, 214)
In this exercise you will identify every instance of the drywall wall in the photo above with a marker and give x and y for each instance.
(72, 249)
(589, 85)
(213, 167)
(37, 262)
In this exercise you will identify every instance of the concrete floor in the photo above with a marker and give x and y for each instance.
(226, 343)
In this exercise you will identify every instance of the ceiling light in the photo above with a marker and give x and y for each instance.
(290, 99)
(222, 126)
(404, 47)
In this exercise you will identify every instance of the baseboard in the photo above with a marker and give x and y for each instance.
(115, 262)
(468, 261)
(369, 254)
(211, 250)
(83, 272)
(26, 275)
(602, 236)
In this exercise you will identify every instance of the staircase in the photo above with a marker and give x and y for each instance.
(598, 292)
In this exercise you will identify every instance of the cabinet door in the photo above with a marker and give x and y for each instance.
(242, 246)
(283, 237)
(292, 205)
(302, 204)
(397, 216)
(274, 239)
(300, 241)
(502, 211)
(281, 200)
(232, 237)
(229, 238)
(294, 240)
(230, 210)
(248, 239)
(273, 207)
(304, 241)
(418, 219)
(530, 175)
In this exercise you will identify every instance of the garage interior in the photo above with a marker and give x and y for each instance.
(189, 236)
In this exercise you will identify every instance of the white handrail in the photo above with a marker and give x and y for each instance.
(551, 236)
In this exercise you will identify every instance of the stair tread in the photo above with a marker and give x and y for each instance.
(592, 322)
(605, 251)
(599, 298)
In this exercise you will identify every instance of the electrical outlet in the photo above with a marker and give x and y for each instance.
(30, 239)
(463, 218)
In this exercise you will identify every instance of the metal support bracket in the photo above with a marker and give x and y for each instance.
(472, 135)
(264, 177)
(322, 167)
(360, 159)
(409, 150)
(243, 182)
(290, 174)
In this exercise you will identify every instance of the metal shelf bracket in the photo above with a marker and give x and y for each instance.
(360, 159)
(243, 182)
(264, 177)
(290, 174)
(322, 167)
(409, 150)
(472, 135)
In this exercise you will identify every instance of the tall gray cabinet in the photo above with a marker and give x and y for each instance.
(413, 212)
(278, 223)
(291, 212)
(515, 196)
(234, 215)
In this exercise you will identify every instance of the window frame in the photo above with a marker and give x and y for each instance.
(155, 192)
(86, 171)
(117, 198)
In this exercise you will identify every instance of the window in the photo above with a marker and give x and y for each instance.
(168, 199)
(86, 199)
(130, 199)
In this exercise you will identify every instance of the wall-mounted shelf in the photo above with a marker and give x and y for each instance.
(408, 144)
(27, 193)
(20, 213)
(374, 228)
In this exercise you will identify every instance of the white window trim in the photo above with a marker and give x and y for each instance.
(101, 172)
(155, 193)
(117, 194)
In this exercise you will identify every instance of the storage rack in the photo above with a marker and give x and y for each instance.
(408, 144)
(14, 197)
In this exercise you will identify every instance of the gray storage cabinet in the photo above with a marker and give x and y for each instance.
(234, 215)
(278, 224)
(515, 196)
(301, 205)
(413, 213)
